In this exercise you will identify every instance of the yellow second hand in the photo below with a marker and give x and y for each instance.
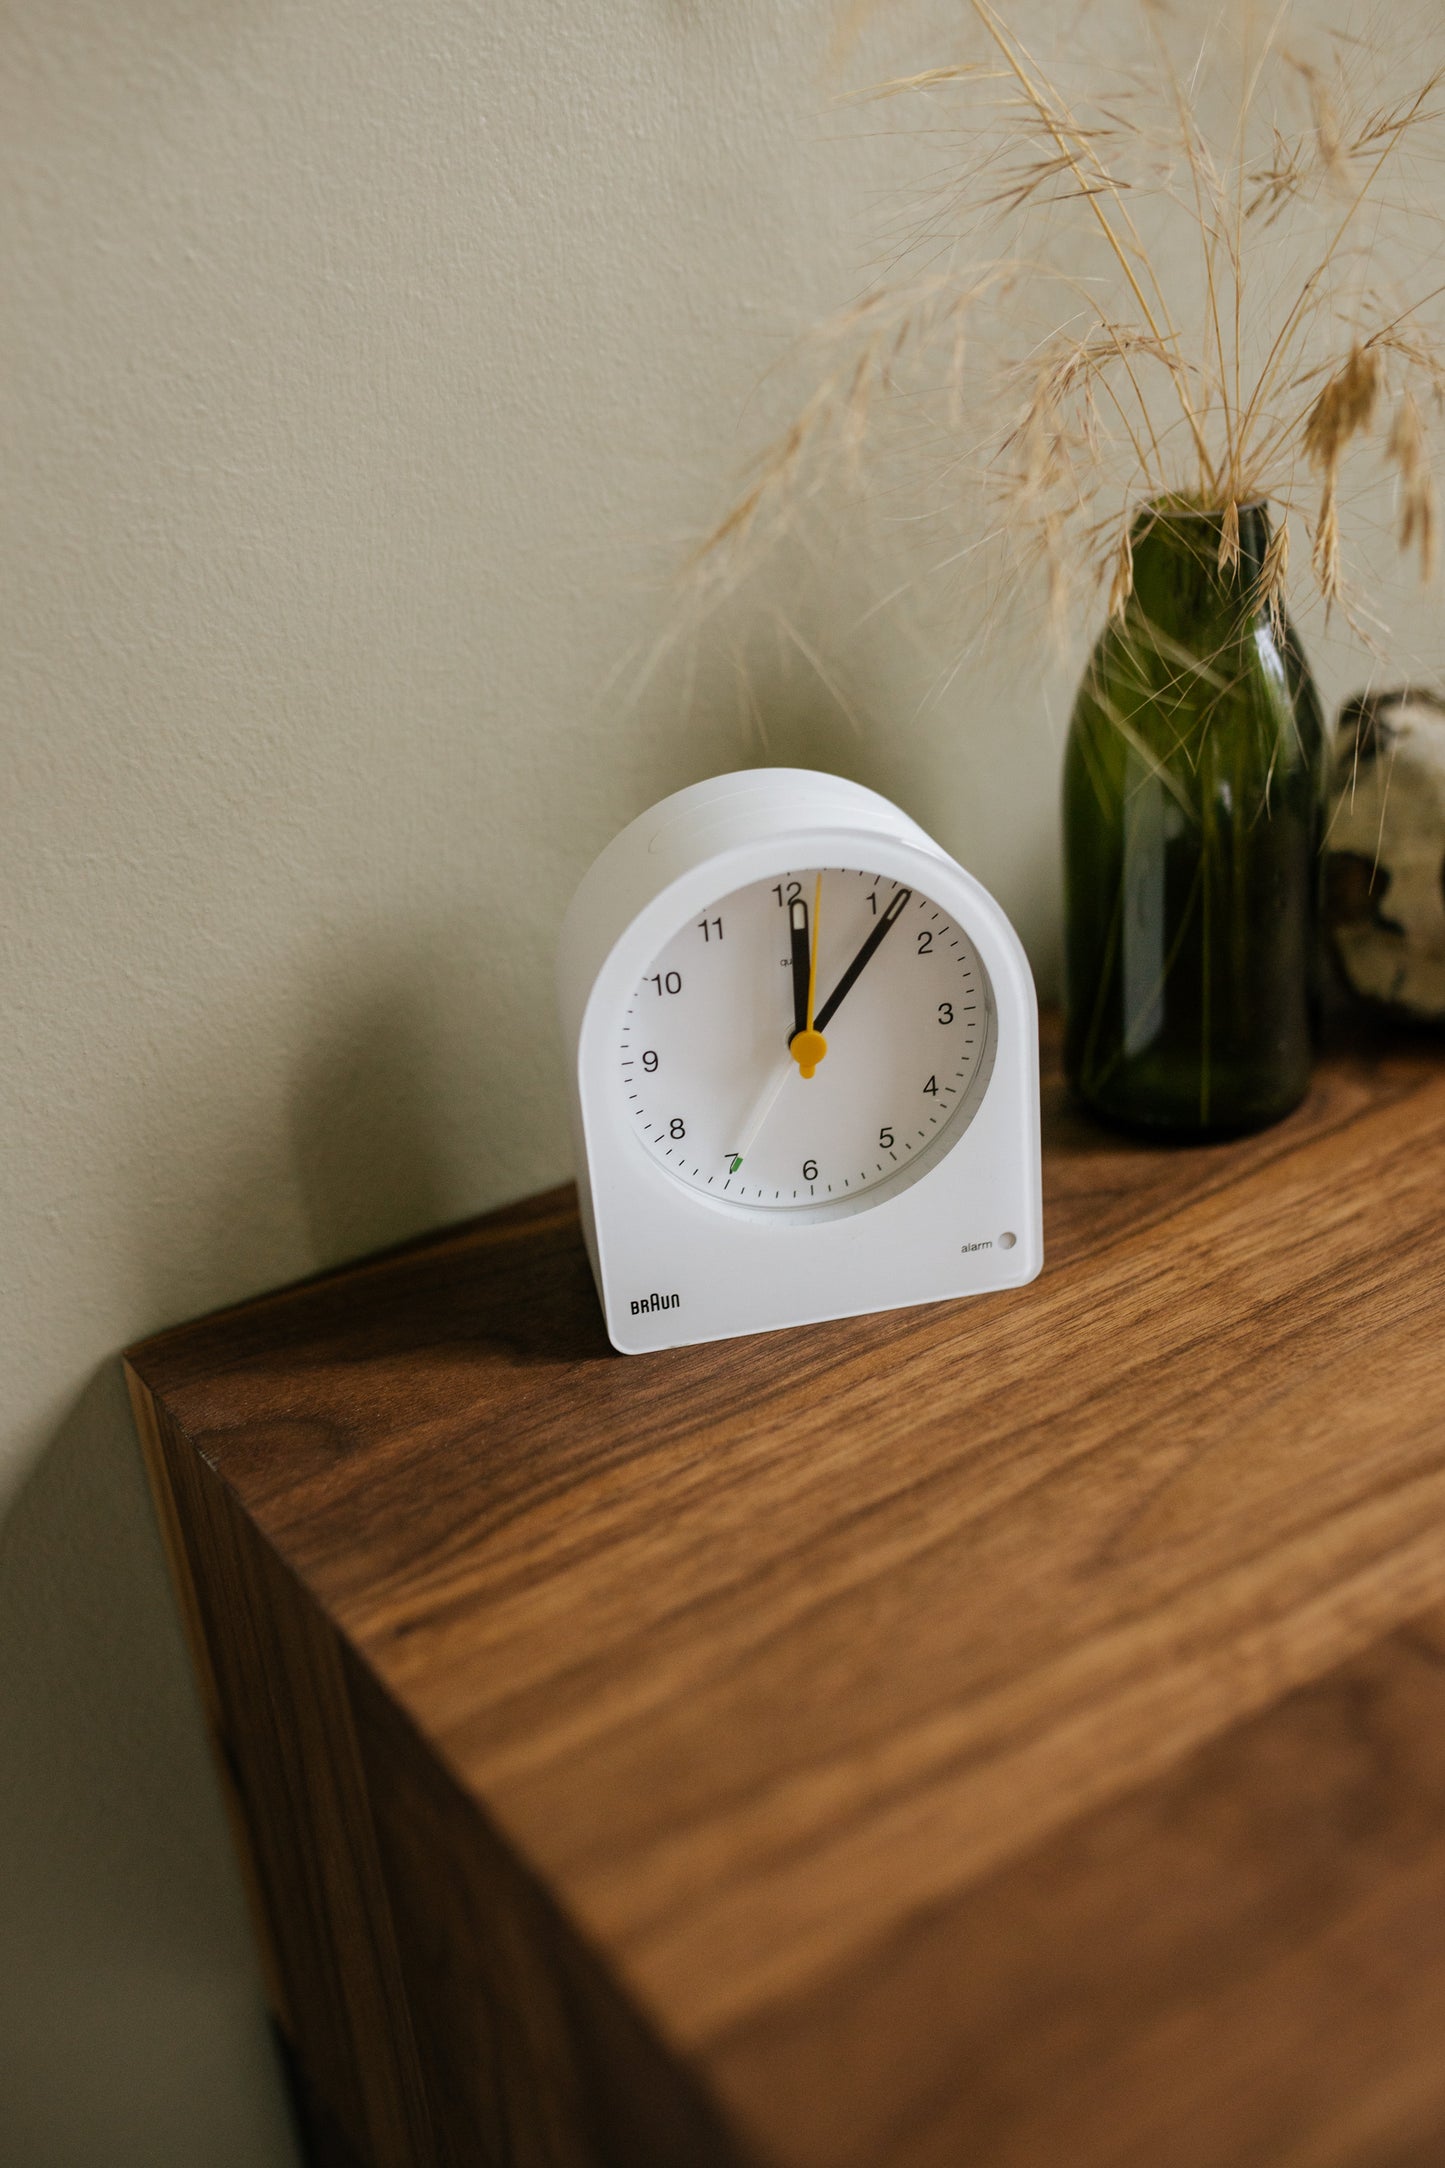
(809, 1047)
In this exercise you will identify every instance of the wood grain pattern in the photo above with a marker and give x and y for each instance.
(1005, 1732)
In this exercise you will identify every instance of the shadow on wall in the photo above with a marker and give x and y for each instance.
(131, 2023)
(427, 1079)
(132, 2029)
(806, 726)
(970, 747)
(939, 777)
(367, 1122)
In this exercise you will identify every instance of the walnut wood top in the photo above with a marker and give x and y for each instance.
(1010, 1731)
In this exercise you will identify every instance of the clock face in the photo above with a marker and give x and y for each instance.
(807, 1039)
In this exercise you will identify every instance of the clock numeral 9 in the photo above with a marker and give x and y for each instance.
(945, 1012)
(885, 1140)
(649, 1061)
(669, 982)
(677, 1127)
(810, 1170)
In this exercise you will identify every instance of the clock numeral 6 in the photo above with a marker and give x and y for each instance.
(669, 982)
(649, 1061)
(885, 1140)
(810, 1170)
(677, 1127)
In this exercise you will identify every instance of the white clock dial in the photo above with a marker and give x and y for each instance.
(714, 1074)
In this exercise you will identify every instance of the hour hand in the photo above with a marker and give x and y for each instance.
(802, 960)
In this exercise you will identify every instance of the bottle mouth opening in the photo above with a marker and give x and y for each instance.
(1161, 508)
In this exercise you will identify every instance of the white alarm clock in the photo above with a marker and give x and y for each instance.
(803, 1052)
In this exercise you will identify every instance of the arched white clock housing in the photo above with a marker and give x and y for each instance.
(722, 1190)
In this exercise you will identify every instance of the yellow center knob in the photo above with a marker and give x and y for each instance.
(807, 1049)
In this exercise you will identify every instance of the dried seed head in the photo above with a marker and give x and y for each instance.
(1057, 572)
(1272, 575)
(1409, 451)
(1344, 408)
(1121, 587)
(1325, 556)
(1277, 181)
(853, 420)
(1229, 537)
(1330, 147)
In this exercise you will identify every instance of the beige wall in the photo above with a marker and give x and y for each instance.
(359, 356)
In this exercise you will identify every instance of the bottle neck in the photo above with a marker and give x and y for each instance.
(1180, 586)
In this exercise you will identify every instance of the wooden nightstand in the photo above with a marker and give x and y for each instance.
(1005, 1733)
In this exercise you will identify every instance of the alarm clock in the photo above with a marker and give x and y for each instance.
(802, 1045)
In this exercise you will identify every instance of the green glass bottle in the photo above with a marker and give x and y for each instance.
(1192, 802)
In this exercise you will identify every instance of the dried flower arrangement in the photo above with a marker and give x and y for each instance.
(1153, 308)
(1089, 316)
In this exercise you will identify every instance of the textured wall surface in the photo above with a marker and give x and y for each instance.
(359, 357)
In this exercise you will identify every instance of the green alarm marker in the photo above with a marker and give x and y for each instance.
(736, 1164)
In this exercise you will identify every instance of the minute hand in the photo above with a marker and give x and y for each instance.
(829, 1009)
